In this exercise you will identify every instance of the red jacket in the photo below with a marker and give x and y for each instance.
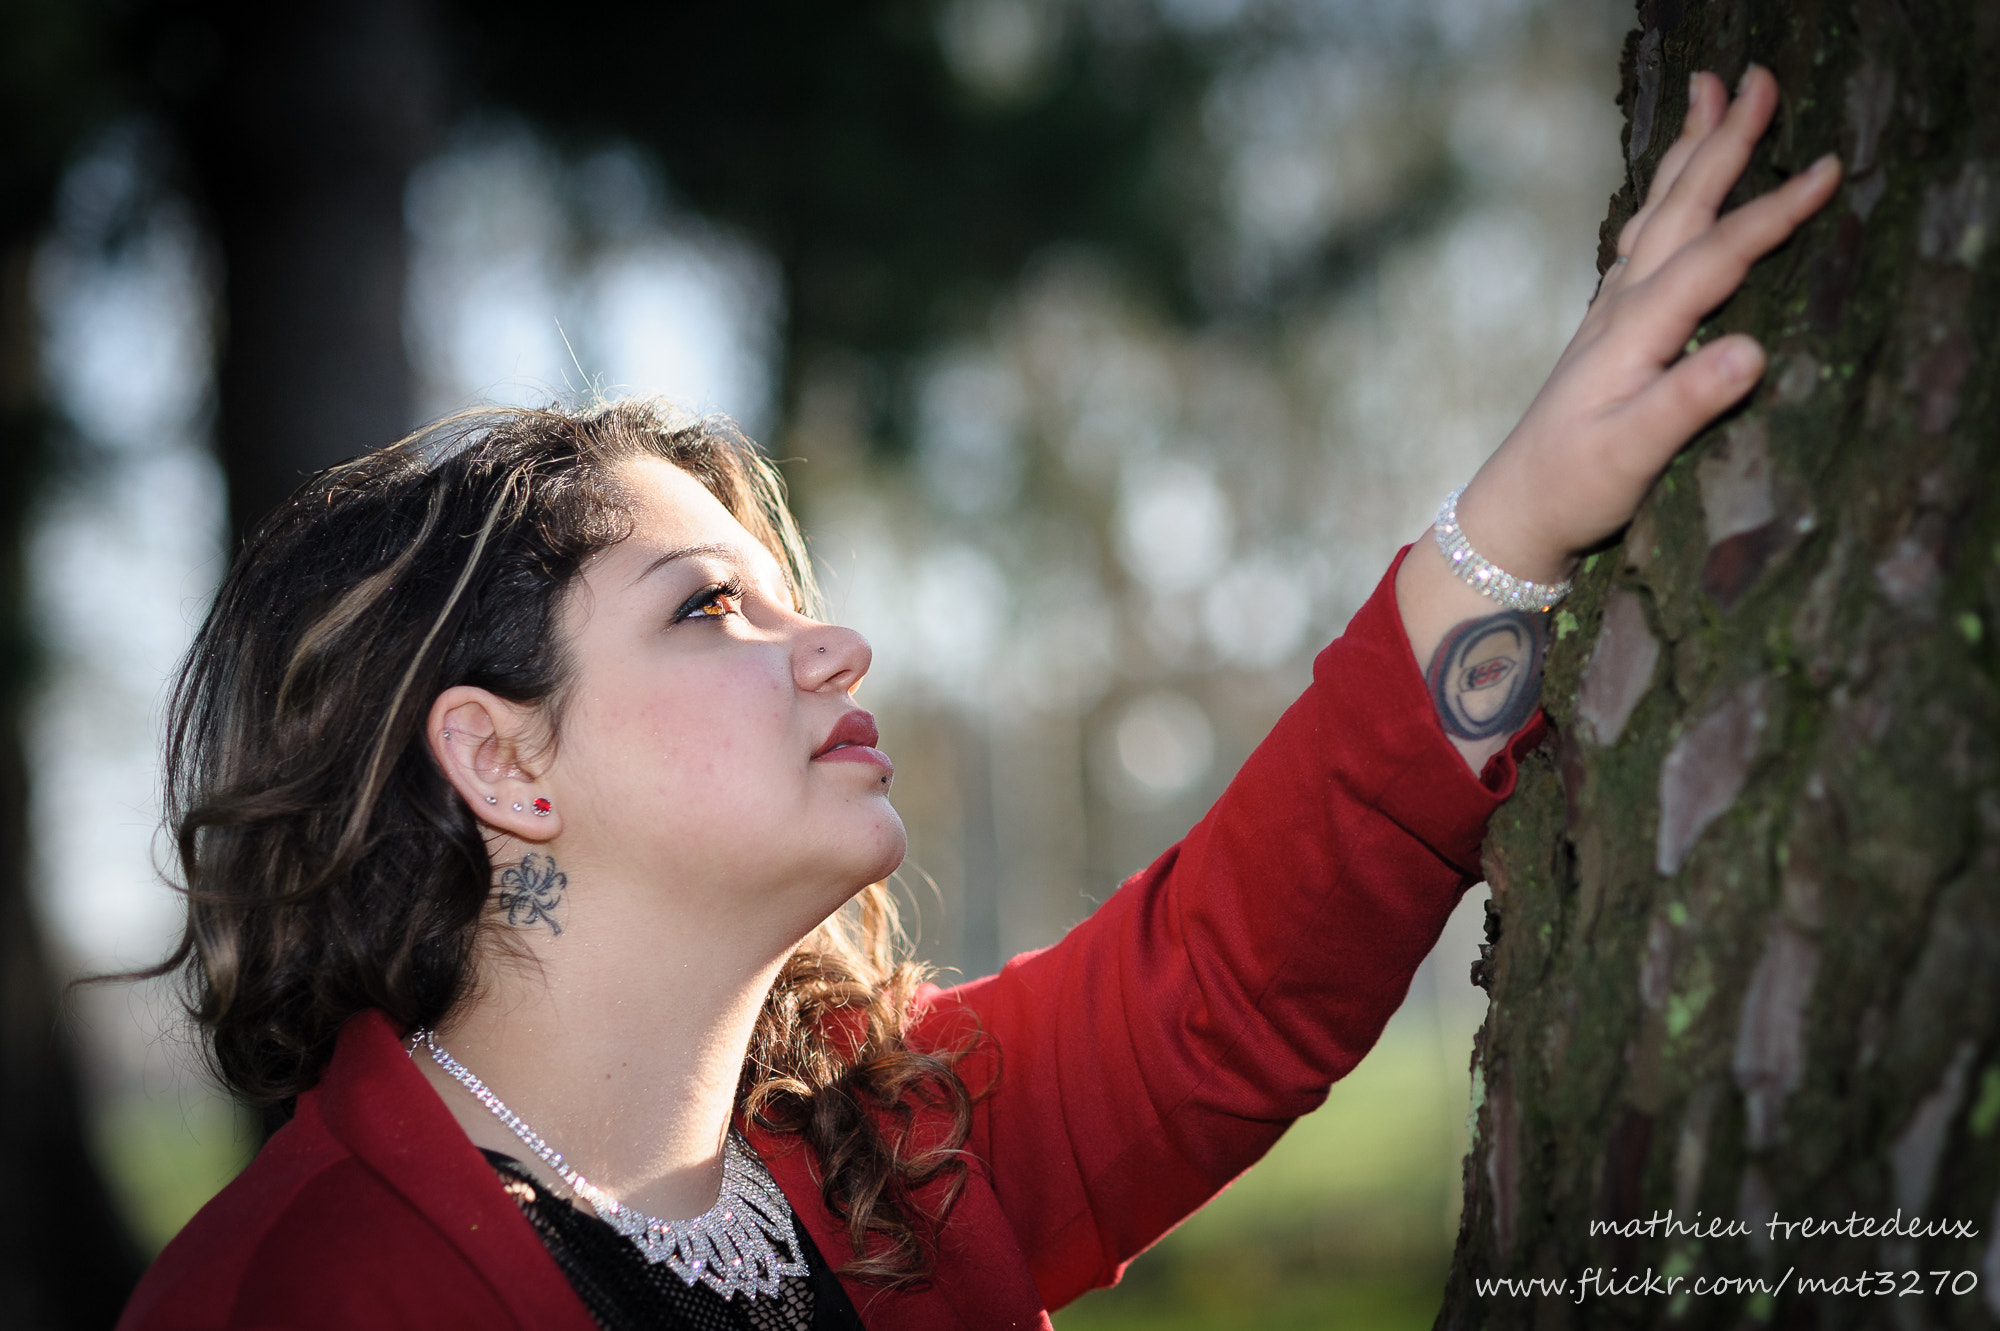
(1143, 1062)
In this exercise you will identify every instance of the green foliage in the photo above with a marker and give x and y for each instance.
(56, 84)
(899, 195)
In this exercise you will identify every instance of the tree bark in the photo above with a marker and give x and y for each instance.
(1746, 904)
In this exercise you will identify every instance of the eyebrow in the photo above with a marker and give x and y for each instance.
(729, 552)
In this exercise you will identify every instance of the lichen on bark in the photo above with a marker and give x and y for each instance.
(1747, 897)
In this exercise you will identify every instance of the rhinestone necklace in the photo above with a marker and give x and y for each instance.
(742, 1245)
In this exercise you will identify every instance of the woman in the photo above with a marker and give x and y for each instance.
(519, 795)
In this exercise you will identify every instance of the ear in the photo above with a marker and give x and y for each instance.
(479, 741)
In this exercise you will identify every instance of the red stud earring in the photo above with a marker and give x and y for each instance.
(543, 808)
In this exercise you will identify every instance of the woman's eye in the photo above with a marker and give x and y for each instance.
(714, 603)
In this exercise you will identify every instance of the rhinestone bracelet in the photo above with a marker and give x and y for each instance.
(1482, 574)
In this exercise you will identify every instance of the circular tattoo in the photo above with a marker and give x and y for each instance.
(1487, 674)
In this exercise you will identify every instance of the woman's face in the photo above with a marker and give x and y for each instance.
(710, 743)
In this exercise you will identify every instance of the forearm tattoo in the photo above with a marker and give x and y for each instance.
(531, 891)
(1487, 675)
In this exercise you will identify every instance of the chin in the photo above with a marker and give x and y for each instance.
(863, 872)
(837, 865)
(891, 844)
(871, 852)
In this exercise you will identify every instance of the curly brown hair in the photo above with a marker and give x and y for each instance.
(328, 866)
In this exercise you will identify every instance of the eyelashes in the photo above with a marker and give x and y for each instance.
(718, 600)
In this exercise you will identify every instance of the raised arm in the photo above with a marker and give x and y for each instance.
(1134, 1068)
(1621, 402)
(1160, 1048)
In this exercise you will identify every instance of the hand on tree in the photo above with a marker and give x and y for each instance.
(1624, 398)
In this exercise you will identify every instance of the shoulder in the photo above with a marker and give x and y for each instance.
(311, 1236)
(369, 1209)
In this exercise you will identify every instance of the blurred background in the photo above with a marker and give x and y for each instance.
(1110, 347)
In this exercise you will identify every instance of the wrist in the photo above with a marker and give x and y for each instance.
(1522, 577)
(1503, 511)
(1435, 604)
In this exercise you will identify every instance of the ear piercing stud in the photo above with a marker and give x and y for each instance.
(492, 799)
(517, 808)
(543, 808)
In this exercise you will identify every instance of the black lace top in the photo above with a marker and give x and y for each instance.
(625, 1292)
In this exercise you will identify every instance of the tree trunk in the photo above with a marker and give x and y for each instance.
(1747, 903)
(302, 140)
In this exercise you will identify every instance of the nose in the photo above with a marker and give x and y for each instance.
(828, 656)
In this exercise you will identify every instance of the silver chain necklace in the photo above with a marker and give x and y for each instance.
(742, 1245)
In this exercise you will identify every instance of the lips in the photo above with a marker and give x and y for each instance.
(852, 740)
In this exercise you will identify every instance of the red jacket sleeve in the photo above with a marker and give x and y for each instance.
(1158, 1050)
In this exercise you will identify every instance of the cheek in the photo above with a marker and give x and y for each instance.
(702, 738)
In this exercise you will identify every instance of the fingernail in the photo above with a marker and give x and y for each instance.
(1741, 360)
(1694, 88)
(1826, 165)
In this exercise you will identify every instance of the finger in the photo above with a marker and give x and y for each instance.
(1702, 275)
(1714, 168)
(1706, 103)
(1666, 414)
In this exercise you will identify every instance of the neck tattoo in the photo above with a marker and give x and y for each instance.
(531, 890)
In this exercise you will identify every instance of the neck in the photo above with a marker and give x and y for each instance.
(620, 1041)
